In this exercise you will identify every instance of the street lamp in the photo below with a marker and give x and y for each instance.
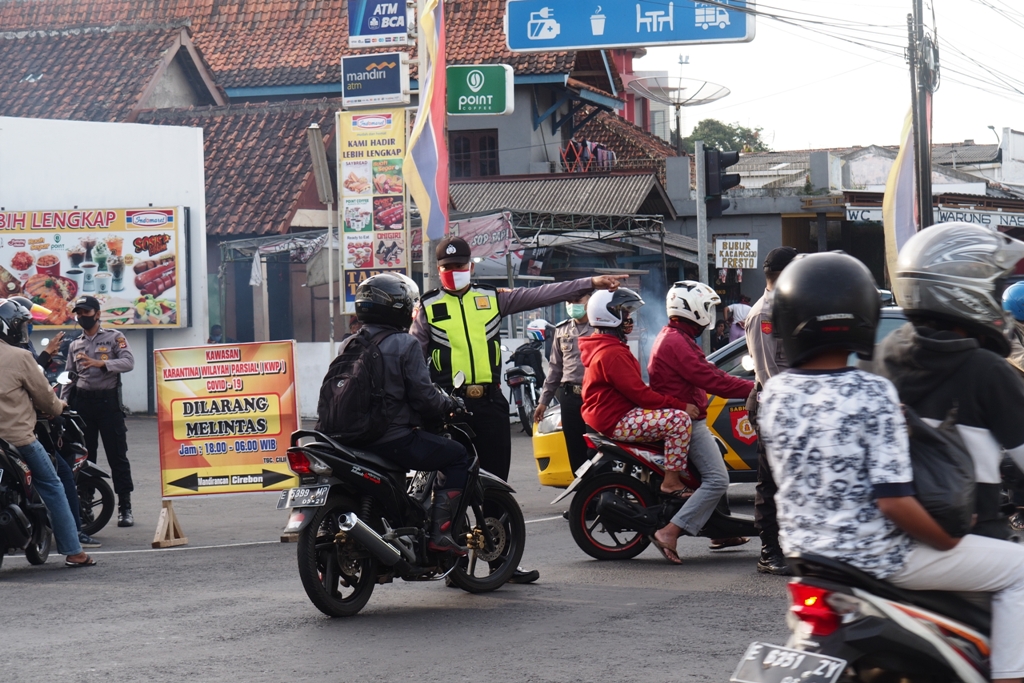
(993, 129)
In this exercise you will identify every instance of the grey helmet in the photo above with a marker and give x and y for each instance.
(954, 272)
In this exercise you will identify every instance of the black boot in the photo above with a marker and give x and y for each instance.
(124, 510)
(772, 561)
(446, 502)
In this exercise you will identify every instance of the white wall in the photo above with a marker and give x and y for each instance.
(66, 164)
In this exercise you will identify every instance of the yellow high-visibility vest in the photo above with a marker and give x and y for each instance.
(464, 335)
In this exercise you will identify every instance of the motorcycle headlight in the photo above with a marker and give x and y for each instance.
(551, 423)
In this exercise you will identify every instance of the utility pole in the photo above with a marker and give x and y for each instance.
(702, 228)
(923, 57)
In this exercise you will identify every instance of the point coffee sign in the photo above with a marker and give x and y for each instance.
(482, 89)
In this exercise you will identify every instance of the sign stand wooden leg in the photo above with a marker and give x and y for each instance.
(168, 530)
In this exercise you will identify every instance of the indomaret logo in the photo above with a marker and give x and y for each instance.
(371, 121)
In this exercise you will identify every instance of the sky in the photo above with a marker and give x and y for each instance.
(808, 90)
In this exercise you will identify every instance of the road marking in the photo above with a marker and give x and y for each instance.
(543, 519)
(238, 545)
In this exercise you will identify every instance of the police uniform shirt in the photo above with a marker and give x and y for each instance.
(109, 346)
(763, 347)
(565, 364)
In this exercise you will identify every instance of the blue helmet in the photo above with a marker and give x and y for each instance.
(1013, 300)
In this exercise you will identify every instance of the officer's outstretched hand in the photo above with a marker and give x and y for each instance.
(609, 282)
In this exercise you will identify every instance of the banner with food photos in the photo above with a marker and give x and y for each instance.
(131, 260)
(373, 204)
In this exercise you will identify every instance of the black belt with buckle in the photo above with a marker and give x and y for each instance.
(574, 388)
(95, 393)
(475, 390)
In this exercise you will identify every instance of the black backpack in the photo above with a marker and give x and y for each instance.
(943, 472)
(352, 407)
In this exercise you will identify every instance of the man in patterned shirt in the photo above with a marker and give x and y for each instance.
(838, 449)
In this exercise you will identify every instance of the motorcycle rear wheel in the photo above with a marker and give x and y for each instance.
(38, 548)
(337, 578)
(586, 526)
(526, 409)
(95, 503)
(483, 571)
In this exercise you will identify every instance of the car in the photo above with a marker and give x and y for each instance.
(727, 418)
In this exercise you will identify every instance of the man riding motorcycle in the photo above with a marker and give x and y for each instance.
(385, 305)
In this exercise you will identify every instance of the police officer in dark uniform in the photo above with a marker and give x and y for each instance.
(459, 328)
(99, 357)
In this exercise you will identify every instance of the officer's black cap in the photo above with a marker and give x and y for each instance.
(87, 302)
(453, 250)
(778, 259)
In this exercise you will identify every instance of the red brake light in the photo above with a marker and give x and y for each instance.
(810, 606)
(298, 462)
(589, 441)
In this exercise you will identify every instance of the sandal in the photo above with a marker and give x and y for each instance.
(87, 562)
(682, 494)
(720, 543)
(667, 551)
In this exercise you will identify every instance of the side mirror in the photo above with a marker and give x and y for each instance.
(459, 379)
(504, 348)
(64, 378)
(46, 341)
(748, 363)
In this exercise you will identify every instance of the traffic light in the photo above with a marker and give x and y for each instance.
(716, 182)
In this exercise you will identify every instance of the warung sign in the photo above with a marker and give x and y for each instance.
(735, 253)
(480, 89)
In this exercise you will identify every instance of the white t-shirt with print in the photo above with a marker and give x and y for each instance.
(836, 440)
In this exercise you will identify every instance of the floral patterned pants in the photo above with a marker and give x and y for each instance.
(668, 424)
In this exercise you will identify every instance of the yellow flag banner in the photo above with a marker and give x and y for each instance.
(899, 205)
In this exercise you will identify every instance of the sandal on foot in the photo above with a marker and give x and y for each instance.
(682, 494)
(720, 543)
(667, 551)
(87, 562)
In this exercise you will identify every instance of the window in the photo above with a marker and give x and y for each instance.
(473, 153)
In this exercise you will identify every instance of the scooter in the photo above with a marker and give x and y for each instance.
(24, 524)
(848, 624)
(522, 380)
(619, 504)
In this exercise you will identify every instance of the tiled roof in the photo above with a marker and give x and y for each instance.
(626, 139)
(49, 74)
(257, 160)
(280, 42)
(567, 193)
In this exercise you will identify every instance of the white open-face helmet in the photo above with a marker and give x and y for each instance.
(693, 301)
(610, 309)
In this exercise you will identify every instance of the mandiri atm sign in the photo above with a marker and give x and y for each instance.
(226, 414)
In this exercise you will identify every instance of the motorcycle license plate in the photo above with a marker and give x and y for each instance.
(764, 663)
(303, 497)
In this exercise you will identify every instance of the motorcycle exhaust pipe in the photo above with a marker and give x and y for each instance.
(625, 514)
(372, 541)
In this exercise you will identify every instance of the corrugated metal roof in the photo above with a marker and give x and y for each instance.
(964, 154)
(606, 195)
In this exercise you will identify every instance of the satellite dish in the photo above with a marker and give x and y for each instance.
(678, 92)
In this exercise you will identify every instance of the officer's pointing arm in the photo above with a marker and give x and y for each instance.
(527, 298)
(122, 359)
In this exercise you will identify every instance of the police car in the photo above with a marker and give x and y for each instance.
(727, 418)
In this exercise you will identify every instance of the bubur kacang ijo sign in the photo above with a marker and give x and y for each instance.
(735, 253)
(480, 89)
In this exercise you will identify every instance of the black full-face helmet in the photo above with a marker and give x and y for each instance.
(386, 299)
(825, 301)
(14, 320)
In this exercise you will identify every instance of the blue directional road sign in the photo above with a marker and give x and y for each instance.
(544, 25)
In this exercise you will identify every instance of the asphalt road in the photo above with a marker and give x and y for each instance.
(230, 607)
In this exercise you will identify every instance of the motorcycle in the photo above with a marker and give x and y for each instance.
(24, 524)
(848, 624)
(362, 521)
(65, 437)
(619, 505)
(522, 380)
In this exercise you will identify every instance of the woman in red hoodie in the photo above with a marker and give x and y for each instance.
(616, 402)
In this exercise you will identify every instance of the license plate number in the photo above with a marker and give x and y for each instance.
(303, 497)
(764, 663)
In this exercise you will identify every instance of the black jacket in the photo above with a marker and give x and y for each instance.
(934, 372)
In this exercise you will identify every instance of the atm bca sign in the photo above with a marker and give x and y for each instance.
(480, 90)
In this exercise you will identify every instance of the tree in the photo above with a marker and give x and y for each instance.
(726, 137)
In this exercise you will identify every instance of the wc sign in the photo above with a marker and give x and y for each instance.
(480, 90)
(377, 22)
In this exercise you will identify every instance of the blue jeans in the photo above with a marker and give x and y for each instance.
(714, 480)
(67, 478)
(44, 478)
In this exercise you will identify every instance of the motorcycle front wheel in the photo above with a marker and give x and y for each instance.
(598, 538)
(95, 502)
(38, 548)
(338, 577)
(486, 570)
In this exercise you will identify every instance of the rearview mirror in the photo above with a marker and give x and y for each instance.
(46, 341)
(64, 378)
(748, 363)
(504, 348)
(459, 379)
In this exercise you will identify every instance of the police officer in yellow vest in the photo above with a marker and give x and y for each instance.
(459, 327)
